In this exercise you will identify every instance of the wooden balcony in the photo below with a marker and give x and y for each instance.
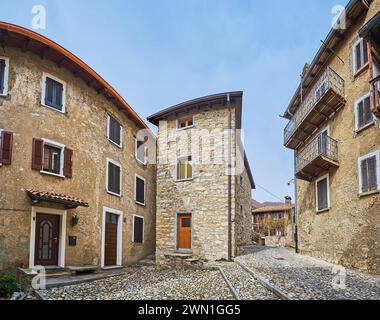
(320, 102)
(375, 103)
(317, 157)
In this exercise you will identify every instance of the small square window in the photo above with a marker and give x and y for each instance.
(185, 122)
(369, 172)
(52, 159)
(360, 54)
(364, 115)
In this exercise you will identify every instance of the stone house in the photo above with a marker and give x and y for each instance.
(76, 186)
(274, 223)
(335, 135)
(203, 203)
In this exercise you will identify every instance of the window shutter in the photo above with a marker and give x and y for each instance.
(138, 230)
(113, 178)
(372, 174)
(2, 75)
(68, 163)
(364, 171)
(140, 190)
(37, 154)
(49, 92)
(6, 144)
(365, 52)
(360, 114)
(58, 94)
(358, 57)
(367, 110)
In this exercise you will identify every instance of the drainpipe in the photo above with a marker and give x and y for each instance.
(295, 205)
(229, 254)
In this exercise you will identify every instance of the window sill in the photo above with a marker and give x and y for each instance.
(4, 94)
(183, 129)
(114, 194)
(55, 109)
(141, 162)
(323, 210)
(184, 180)
(370, 193)
(358, 72)
(365, 127)
(140, 204)
(52, 174)
(115, 144)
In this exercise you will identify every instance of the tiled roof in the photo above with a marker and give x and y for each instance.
(280, 207)
(56, 197)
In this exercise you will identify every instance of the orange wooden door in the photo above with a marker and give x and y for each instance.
(184, 231)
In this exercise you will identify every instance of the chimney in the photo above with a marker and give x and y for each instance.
(288, 200)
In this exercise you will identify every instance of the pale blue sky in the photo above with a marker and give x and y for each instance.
(160, 53)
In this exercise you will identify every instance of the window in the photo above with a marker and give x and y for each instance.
(141, 151)
(241, 180)
(369, 172)
(114, 131)
(184, 168)
(185, 122)
(242, 213)
(52, 159)
(359, 54)
(4, 67)
(138, 229)
(53, 93)
(113, 177)
(363, 112)
(140, 190)
(323, 193)
(6, 145)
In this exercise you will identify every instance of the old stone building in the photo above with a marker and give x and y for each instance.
(75, 185)
(203, 204)
(336, 138)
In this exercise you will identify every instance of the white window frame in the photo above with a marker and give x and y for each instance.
(369, 155)
(47, 75)
(354, 66)
(145, 155)
(108, 132)
(362, 98)
(133, 229)
(62, 157)
(108, 161)
(185, 128)
(119, 254)
(326, 176)
(176, 169)
(142, 178)
(6, 76)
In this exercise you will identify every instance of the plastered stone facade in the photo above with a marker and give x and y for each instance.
(349, 233)
(206, 195)
(83, 128)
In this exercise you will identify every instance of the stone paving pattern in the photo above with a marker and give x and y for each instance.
(307, 278)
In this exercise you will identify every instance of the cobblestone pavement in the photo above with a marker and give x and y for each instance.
(306, 278)
(247, 287)
(148, 283)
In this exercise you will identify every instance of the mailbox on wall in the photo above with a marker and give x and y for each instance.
(72, 241)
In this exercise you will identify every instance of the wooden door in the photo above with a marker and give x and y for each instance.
(184, 231)
(47, 240)
(110, 252)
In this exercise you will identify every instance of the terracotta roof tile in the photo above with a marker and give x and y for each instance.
(280, 207)
(47, 195)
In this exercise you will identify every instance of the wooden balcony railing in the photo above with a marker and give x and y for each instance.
(323, 99)
(318, 156)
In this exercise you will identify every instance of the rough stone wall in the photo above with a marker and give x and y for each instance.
(348, 233)
(243, 223)
(83, 129)
(206, 196)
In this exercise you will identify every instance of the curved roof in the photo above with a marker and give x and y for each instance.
(28, 40)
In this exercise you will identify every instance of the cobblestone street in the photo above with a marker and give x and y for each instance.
(256, 275)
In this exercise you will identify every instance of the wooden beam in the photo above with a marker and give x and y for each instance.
(4, 36)
(76, 73)
(91, 82)
(61, 62)
(25, 44)
(312, 124)
(44, 52)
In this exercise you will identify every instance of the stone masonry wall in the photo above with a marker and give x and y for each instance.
(348, 233)
(83, 129)
(206, 196)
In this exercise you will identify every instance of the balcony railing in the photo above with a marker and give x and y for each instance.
(319, 155)
(325, 96)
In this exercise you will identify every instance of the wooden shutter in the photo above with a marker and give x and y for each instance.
(364, 174)
(114, 131)
(37, 154)
(140, 190)
(49, 92)
(113, 178)
(58, 94)
(2, 75)
(6, 144)
(138, 230)
(68, 163)
(372, 173)
(367, 110)
(361, 114)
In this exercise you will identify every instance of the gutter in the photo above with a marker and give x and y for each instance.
(229, 254)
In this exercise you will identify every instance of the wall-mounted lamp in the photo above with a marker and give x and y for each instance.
(74, 220)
